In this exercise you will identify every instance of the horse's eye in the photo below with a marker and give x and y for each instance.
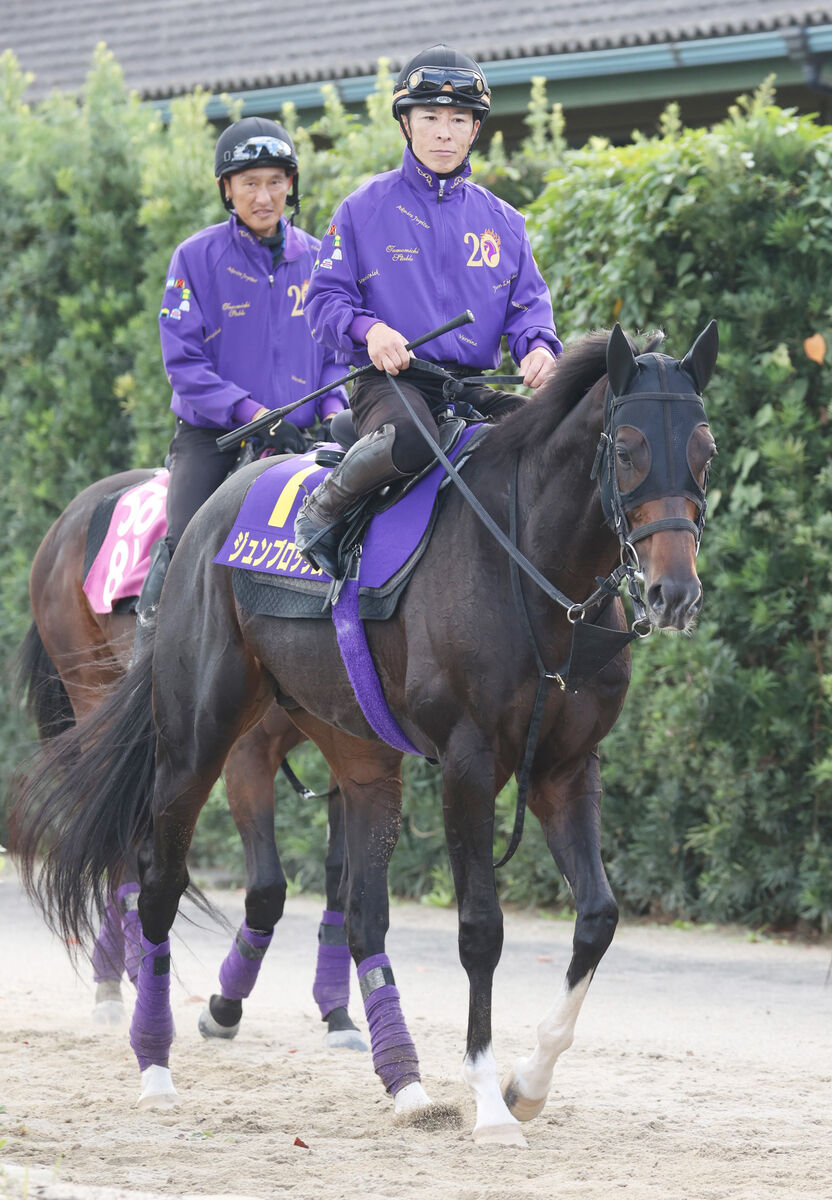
(623, 456)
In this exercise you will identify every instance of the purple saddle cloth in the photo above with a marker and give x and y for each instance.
(262, 536)
(261, 541)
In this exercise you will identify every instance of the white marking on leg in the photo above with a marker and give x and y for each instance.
(495, 1124)
(410, 1097)
(533, 1075)
(157, 1089)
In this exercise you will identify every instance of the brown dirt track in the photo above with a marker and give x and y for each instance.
(702, 1067)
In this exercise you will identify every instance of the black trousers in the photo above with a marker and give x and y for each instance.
(197, 468)
(374, 403)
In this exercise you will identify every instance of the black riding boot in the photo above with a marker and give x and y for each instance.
(366, 465)
(148, 604)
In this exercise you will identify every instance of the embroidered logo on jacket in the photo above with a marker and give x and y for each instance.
(402, 253)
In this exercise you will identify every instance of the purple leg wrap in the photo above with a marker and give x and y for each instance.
(131, 928)
(108, 952)
(151, 1030)
(239, 971)
(331, 988)
(394, 1055)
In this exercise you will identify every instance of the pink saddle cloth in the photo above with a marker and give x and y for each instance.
(119, 567)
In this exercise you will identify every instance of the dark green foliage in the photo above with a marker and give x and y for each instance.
(718, 776)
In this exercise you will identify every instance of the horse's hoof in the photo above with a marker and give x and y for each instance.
(344, 1039)
(508, 1134)
(157, 1089)
(109, 1012)
(518, 1105)
(409, 1098)
(209, 1028)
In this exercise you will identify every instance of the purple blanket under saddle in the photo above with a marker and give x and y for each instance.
(262, 539)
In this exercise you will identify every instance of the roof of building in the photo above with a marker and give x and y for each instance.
(168, 48)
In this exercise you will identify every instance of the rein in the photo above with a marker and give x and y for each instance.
(574, 610)
(613, 640)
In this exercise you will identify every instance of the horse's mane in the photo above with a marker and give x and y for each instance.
(582, 365)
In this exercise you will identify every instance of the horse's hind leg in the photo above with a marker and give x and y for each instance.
(198, 721)
(569, 809)
(108, 968)
(331, 989)
(117, 951)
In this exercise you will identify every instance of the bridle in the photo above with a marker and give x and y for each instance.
(649, 412)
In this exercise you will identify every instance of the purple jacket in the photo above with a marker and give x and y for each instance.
(414, 251)
(233, 333)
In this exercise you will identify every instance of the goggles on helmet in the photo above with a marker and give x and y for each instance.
(429, 80)
(255, 148)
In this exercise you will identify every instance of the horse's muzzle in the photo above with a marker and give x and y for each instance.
(674, 604)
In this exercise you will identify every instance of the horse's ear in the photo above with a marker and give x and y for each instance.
(621, 364)
(700, 360)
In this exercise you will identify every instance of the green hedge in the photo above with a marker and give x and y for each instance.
(718, 776)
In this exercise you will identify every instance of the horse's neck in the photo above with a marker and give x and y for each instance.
(564, 533)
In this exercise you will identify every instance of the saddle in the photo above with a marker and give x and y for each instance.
(384, 536)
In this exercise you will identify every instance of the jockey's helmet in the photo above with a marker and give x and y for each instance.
(255, 142)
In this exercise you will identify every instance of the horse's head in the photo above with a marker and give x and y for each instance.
(653, 461)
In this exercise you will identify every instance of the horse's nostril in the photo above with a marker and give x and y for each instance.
(655, 598)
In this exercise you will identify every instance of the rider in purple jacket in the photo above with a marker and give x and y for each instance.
(406, 252)
(234, 340)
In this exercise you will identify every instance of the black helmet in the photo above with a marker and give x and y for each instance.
(255, 142)
(421, 82)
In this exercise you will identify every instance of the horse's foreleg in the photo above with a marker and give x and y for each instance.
(370, 779)
(249, 778)
(331, 989)
(570, 812)
(468, 803)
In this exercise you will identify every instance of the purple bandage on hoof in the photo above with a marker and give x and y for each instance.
(108, 951)
(127, 896)
(331, 988)
(239, 971)
(394, 1055)
(151, 1030)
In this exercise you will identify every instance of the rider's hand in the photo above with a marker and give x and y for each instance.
(537, 366)
(386, 348)
(284, 438)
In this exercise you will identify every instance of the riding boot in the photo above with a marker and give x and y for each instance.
(148, 604)
(367, 465)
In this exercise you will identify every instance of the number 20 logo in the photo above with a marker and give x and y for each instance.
(485, 250)
(297, 294)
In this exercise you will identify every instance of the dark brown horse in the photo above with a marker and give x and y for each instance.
(460, 663)
(69, 658)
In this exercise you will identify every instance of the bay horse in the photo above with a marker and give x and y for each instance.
(611, 454)
(68, 659)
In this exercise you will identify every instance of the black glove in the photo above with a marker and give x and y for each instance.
(324, 431)
(285, 438)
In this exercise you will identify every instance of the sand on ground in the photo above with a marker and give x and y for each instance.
(702, 1068)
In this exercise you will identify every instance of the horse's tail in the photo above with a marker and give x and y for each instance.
(84, 801)
(46, 697)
